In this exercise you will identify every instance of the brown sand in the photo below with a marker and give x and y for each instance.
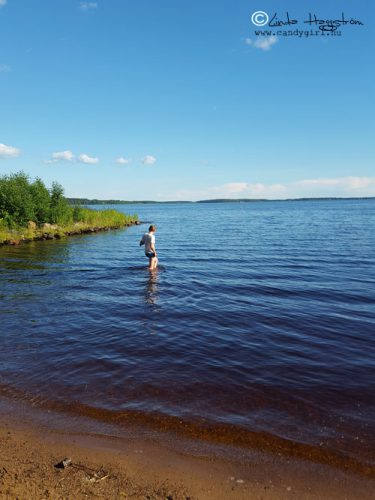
(140, 467)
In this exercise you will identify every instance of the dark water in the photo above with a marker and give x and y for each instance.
(261, 318)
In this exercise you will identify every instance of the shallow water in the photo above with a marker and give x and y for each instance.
(261, 317)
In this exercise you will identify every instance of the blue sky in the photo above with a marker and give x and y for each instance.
(171, 100)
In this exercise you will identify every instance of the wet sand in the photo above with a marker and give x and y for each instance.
(141, 465)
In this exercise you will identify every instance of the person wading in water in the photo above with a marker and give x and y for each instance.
(148, 240)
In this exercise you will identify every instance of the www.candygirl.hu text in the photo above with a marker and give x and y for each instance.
(296, 33)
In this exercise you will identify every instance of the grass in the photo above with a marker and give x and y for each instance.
(87, 220)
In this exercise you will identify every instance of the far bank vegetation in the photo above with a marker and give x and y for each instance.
(31, 211)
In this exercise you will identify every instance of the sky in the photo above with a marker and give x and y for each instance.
(169, 100)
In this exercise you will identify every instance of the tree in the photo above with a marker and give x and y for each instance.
(42, 201)
(61, 212)
(16, 201)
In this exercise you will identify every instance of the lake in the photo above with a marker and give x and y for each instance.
(258, 327)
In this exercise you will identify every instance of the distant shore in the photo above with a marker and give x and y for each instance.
(94, 201)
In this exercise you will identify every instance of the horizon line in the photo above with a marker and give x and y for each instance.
(217, 200)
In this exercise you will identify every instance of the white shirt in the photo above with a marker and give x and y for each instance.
(148, 239)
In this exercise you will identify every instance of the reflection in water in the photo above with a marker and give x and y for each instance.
(151, 292)
(34, 256)
(151, 295)
(28, 270)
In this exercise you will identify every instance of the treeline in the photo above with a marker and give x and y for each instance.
(87, 201)
(24, 201)
(95, 201)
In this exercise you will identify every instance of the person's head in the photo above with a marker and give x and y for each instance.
(152, 229)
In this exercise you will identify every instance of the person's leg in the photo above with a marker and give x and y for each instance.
(150, 262)
(153, 262)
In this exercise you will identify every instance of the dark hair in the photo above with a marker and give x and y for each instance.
(152, 228)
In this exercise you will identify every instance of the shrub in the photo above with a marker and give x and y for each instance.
(16, 200)
(25, 205)
(42, 201)
(61, 213)
(78, 213)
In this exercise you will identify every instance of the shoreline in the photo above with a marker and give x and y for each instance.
(56, 233)
(208, 433)
(140, 463)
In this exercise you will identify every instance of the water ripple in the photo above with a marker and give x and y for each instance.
(261, 316)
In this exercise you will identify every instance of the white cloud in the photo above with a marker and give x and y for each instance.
(4, 68)
(60, 156)
(317, 182)
(90, 160)
(2, 3)
(88, 5)
(343, 182)
(233, 190)
(123, 161)
(359, 182)
(263, 43)
(236, 187)
(63, 155)
(148, 160)
(248, 190)
(68, 156)
(8, 151)
(341, 187)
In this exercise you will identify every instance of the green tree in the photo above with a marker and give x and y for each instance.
(61, 212)
(16, 201)
(42, 201)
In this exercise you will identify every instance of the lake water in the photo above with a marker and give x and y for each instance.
(258, 326)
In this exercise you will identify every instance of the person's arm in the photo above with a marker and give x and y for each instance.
(152, 246)
(142, 242)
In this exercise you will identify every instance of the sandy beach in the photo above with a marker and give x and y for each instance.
(145, 466)
(208, 332)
